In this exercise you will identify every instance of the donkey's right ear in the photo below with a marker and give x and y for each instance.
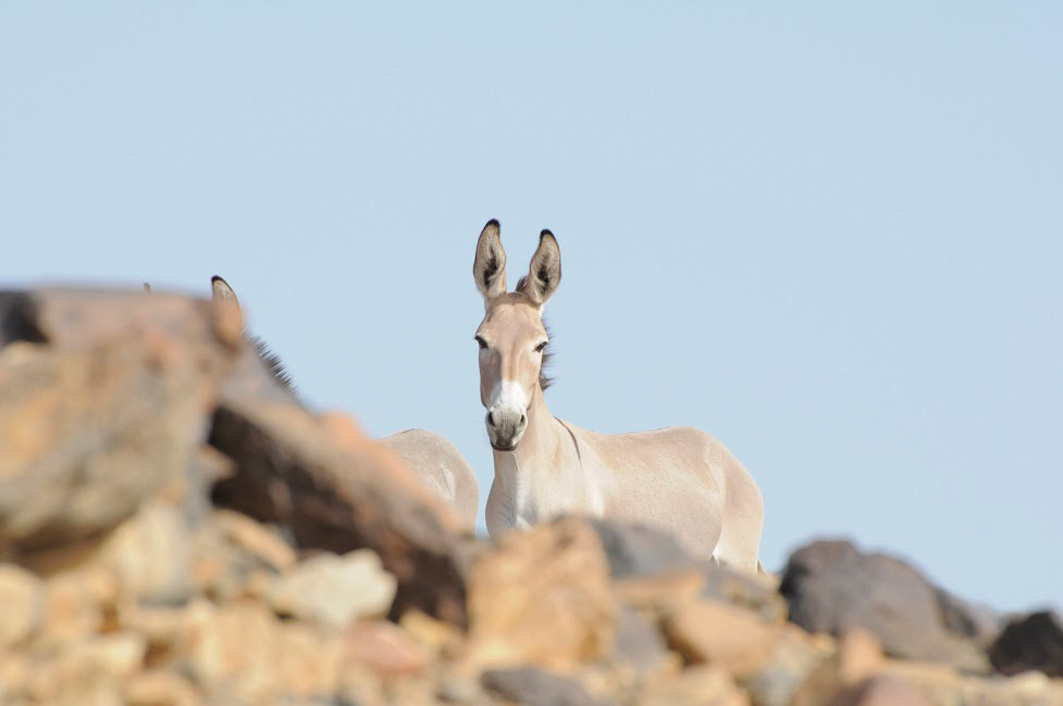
(489, 268)
(225, 308)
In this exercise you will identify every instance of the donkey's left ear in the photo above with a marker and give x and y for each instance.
(544, 274)
(225, 309)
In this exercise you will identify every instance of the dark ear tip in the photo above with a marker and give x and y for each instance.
(493, 222)
(546, 234)
(216, 278)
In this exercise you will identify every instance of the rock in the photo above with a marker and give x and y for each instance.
(150, 555)
(110, 412)
(638, 643)
(660, 592)
(639, 550)
(698, 686)
(832, 587)
(335, 590)
(79, 605)
(336, 490)
(858, 657)
(881, 691)
(757, 593)
(256, 539)
(242, 653)
(384, 648)
(1034, 641)
(542, 598)
(161, 688)
(90, 672)
(793, 658)
(436, 635)
(22, 599)
(531, 686)
(720, 634)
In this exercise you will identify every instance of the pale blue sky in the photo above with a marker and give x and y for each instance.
(828, 233)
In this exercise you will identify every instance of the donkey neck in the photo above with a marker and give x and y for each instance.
(545, 475)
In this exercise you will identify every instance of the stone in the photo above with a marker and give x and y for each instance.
(719, 634)
(1033, 641)
(90, 672)
(109, 412)
(757, 593)
(241, 652)
(531, 686)
(794, 656)
(322, 480)
(639, 550)
(79, 605)
(254, 538)
(858, 658)
(22, 605)
(661, 591)
(150, 555)
(335, 590)
(704, 685)
(881, 691)
(384, 648)
(541, 597)
(832, 587)
(638, 643)
(161, 688)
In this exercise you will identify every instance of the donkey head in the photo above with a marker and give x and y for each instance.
(512, 336)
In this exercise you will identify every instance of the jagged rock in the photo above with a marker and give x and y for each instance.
(832, 587)
(112, 411)
(384, 648)
(542, 597)
(716, 633)
(22, 604)
(336, 490)
(335, 590)
(1034, 641)
(698, 686)
(532, 686)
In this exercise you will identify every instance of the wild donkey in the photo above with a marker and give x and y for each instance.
(432, 458)
(678, 479)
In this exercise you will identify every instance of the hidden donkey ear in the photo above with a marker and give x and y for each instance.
(489, 267)
(544, 273)
(225, 309)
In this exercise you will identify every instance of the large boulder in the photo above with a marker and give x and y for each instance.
(833, 587)
(1033, 641)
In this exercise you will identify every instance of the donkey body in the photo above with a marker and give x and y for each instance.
(431, 458)
(677, 479)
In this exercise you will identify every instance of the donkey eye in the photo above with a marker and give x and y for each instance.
(541, 347)
(481, 342)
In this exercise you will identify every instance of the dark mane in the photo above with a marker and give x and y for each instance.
(274, 365)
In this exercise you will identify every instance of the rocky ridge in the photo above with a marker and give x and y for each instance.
(171, 538)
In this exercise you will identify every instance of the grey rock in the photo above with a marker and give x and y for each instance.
(639, 550)
(531, 686)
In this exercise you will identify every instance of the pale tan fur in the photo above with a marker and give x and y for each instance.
(433, 460)
(678, 479)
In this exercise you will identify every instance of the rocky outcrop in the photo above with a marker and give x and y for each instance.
(170, 537)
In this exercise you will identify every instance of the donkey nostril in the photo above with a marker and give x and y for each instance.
(491, 419)
(523, 419)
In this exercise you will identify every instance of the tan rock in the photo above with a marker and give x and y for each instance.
(794, 656)
(541, 597)
(660, 591)
(79, 605)
(261, 541)
(90, 672)
(880, 691)
(22, 605)
(705, 685)
(384, 648)
(161, 688)
(150, 555)
(720, 634)
(436, 635)
(335, 590)
(241, 651)
(859, 656)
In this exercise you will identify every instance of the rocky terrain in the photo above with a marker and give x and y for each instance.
(174, 534)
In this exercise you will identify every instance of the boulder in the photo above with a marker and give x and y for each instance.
(532, 686)
(541, 597)
(335, 590)
(1033, 641)
(833, 587)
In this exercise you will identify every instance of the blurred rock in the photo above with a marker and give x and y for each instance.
(112, 411)
(832, 587)
(22, 605)
(338, 491)
(1034, 641)
(639, 550)
(881, 691)
(639, 643)
(532, 686)
(335, 590)
(793, 657)
(858, 658)
(757, 593)
(161, 688)
(384, 648)
(698, 686)
(542, 597)
(716, 633)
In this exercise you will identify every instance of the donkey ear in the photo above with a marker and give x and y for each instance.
(544, 274)
(224, 306)
(489, 267)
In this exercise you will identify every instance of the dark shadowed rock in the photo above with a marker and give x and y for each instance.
(1034, 641)
(531, 686)
(638, 550)
(336, 490)
(105, 401)
(833, 587)
(738, 588)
